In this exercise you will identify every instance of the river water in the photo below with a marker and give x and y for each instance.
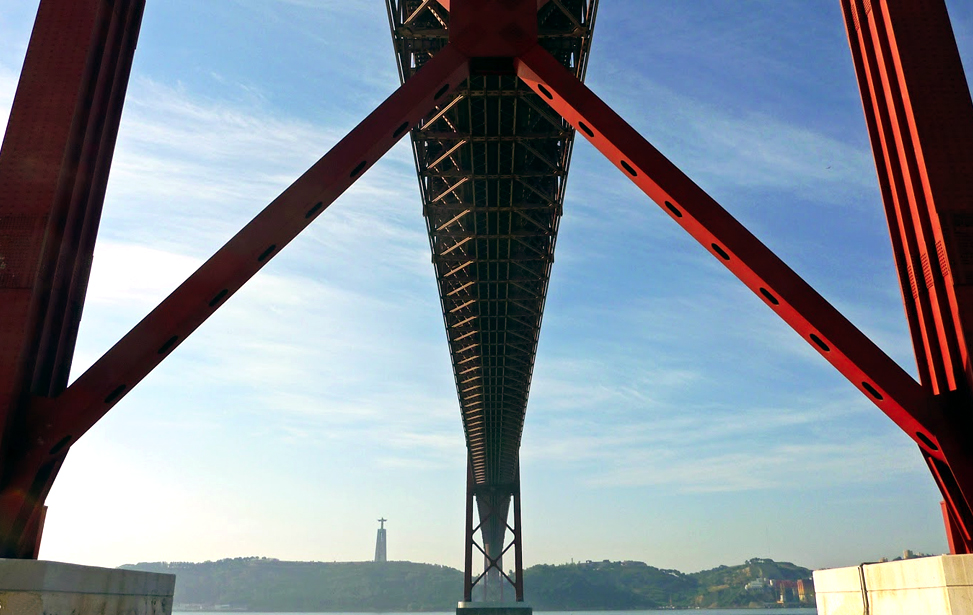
(793, 611)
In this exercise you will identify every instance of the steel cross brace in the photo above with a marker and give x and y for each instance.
(933, 421)
(53, 424)
(492, 503)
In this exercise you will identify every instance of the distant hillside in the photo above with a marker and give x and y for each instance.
(724, 586)
(605, 585)
(635, 585)
(261, 584)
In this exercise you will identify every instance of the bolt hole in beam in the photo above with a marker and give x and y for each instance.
(872, 391)
(769, 296)
(628, 168)
(270, 250)
(927, 441)
(219, 297)
(114, 395)
(361, 167)
(675, 210)
(57, 448)
(722, 253)
(587, 130)
(400, 130)
(170, 343)
(317, 207)
(819, 343)
(441, 91)
(545, 91)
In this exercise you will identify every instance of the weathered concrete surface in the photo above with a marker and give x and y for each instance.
(32, 587)
(493, 608)
(941, 585)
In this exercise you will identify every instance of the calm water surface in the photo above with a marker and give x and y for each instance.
(810, 611)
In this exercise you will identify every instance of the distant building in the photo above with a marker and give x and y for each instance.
(805, 590)
(908, 554)
(758, 584)
(787, 590)
(380, 546)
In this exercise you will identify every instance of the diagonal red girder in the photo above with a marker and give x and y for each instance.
(886, 384)
(55, 423)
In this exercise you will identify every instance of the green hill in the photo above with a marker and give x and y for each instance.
(262, 584)
(605, 585)
(724, 586)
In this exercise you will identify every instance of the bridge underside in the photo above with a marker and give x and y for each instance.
(492, 164)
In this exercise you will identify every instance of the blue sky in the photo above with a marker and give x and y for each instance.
(673, 418)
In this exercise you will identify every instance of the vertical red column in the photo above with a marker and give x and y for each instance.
(54, 165)
(920, 118)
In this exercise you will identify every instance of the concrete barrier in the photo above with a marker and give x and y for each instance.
(32, 587)
(941, 585)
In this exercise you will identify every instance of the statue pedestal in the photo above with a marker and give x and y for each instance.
(32, 587)
(941, 585)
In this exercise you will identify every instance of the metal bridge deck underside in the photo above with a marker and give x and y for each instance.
(492, 164)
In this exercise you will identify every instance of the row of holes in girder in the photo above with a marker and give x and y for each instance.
(217, 299)
(768, 296)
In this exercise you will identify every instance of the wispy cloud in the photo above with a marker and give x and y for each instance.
(726, 150)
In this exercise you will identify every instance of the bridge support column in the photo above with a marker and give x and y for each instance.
(54, 164)
(493, 504)
(920, 118)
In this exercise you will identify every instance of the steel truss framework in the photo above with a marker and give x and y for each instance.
(58, 146)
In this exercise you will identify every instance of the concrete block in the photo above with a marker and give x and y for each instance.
(941, 585)
(493, 608)
(33, 587)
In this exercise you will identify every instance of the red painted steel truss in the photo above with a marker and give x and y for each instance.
(921, 122)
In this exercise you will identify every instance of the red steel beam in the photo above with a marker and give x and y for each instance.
(889, 387)
(920, 119)
(53, 424)
(54, 165)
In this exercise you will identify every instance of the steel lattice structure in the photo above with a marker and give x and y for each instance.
(492, 166)
(491, 93)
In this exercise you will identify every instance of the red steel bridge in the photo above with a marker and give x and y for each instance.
(492, 96)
